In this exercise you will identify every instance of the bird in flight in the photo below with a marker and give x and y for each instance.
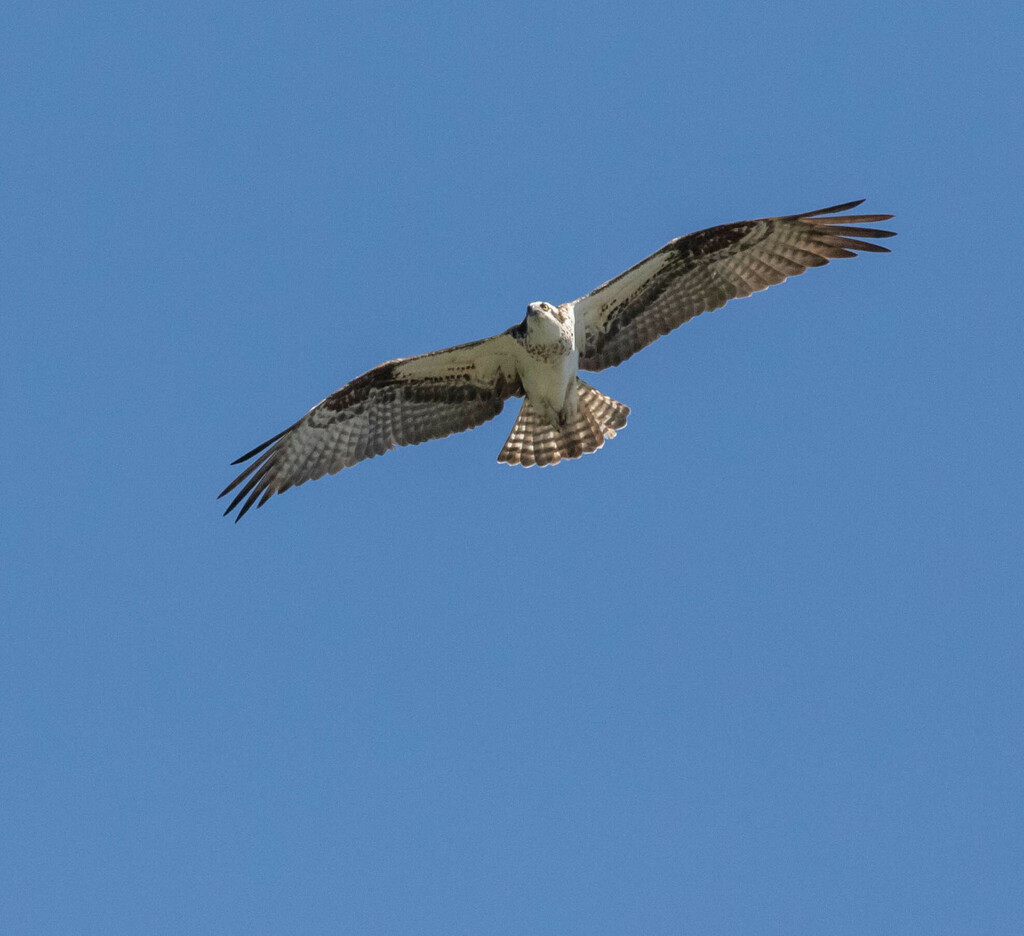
(429, 396)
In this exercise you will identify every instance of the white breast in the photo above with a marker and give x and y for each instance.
(549, 372)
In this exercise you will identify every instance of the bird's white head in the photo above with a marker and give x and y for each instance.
(543, 319)
(547, 324)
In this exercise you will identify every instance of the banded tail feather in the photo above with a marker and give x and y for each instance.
(533, 441)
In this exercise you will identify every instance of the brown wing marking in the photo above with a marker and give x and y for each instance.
(703, 271)
(402, 402)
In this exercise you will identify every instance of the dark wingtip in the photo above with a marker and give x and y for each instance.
(245, 474)
(836, 209)
(244, 510)
(259, 448)
(846, 206)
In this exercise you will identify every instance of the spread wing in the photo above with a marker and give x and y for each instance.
(402, 402)
(703, 271)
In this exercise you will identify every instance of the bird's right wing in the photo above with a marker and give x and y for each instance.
(402, 402)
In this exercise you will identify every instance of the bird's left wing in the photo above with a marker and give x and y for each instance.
(402, 402)
(703, 271)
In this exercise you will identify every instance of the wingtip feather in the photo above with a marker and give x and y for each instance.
(259, 448)
(817, 216)
(833, 209)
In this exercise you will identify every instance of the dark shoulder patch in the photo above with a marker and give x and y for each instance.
(517, 331)
(713, 239)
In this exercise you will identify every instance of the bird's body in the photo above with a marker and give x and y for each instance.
(410, 400)
(548, 366)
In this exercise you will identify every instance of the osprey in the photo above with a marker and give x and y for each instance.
(413, 399)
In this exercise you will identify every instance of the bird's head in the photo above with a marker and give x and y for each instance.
(543, 322)
(548, 324)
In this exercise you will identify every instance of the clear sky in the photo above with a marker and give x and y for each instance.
(755, 667)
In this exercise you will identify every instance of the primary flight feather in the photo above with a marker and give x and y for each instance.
(413, 399)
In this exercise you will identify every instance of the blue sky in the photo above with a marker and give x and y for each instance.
(755, 667)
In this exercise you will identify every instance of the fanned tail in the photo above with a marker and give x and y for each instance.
(533, 441)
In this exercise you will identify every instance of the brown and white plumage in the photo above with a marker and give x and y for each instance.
(702, 271)
(402, 402)
(534, 441)
(411, 400)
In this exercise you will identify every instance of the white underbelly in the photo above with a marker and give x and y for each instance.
(546, 384)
